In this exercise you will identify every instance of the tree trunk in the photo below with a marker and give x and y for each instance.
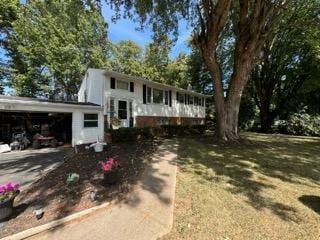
(265, 118)
(227, 108)
(266, 123)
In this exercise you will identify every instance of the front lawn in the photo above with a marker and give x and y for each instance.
(268, 189)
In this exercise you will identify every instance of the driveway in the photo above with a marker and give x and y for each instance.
(27, 166)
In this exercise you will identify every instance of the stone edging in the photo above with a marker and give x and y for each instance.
(36, 230)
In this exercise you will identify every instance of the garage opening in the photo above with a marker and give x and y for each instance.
(39, 128)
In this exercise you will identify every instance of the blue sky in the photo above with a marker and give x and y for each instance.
(125, 29)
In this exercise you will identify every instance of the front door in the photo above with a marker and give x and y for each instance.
(123, 113)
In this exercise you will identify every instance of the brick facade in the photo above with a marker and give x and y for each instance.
(153, 121)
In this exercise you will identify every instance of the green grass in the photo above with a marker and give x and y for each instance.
(267, 190)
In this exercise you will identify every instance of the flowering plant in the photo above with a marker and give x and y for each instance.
(8, 190)
(110, 164)
(115, 121)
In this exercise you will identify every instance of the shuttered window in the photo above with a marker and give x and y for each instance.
(131, 86)
(166, 98)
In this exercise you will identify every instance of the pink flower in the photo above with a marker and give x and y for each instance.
(9, 186)
(109, 164)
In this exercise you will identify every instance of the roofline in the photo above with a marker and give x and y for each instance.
(135, 78)
(39, 102)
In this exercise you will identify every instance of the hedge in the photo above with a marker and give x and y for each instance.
(134, 133)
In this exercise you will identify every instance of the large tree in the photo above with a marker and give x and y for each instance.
(287, 60)
(250, 22)
(156, 59)
(51, 45)
(127, 58)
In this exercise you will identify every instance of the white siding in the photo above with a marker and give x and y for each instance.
(177, 109)
(97, 79)
(91, 89)
(80, 135)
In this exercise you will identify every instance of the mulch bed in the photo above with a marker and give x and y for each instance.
(58, 199)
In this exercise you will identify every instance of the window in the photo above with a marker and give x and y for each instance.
(148, 95)
(166, 98)
(112, 108)
(122, 109)
(122, 85)
(90, 120)
(157, 96)
(196, 101)
(180, 98)
(191, 100)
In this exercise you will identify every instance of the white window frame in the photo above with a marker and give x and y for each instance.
(149, 101)
(91, 120)
(157, 89)
(123, 81)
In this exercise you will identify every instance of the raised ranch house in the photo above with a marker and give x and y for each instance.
(139, 102)
(103, 95)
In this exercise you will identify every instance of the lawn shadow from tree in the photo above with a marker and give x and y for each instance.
(247, 168)
(312, 202)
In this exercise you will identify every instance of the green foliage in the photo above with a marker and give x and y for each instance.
(152, 63)
(134, 133)
(127, 57)
(182, 130)
(156, 61)
(131, 134)
(285, 77)
(301, 123)
(52, 44)
(177, 72)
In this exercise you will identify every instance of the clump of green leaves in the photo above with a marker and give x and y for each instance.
(51, 44)
(301, 123)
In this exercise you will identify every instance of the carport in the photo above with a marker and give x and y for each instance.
(70, 122)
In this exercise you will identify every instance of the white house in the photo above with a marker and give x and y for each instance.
(82, 122)
(140, 102)
(102, 95)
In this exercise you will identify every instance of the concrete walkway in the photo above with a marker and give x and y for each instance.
(146, 214)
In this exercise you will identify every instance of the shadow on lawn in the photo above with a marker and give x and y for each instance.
(290, 160)
(311, 201)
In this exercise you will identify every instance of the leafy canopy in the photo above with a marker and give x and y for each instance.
(52, 44)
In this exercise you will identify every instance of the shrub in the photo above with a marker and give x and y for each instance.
(133, 133)
(301, 123)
